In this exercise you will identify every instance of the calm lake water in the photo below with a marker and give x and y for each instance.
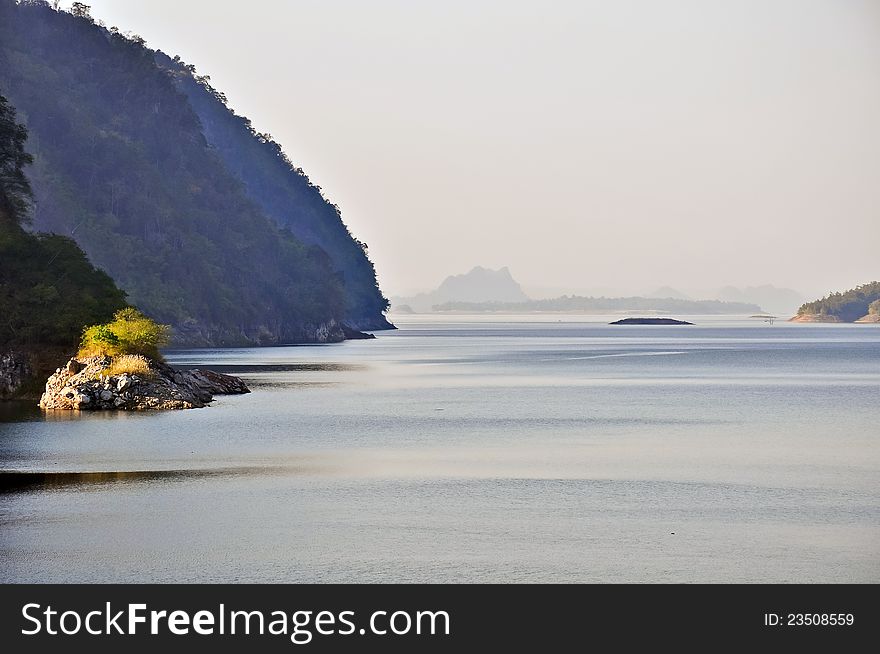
(474, 449)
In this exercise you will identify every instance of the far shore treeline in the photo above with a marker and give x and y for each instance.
(576, 303)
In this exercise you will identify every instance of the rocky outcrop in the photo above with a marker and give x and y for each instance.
(824, 317)
(375, 324)
(814, 317)
(326, 332)
(352, 334)
(88, 385)
(15, 370)
(192, 333)
(195, 334)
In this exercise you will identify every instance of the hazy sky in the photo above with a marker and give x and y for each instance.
(601, 145)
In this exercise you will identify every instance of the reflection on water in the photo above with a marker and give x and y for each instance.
(15, 481)
(19, 411)
(472, 449)
(266, 368)
(257, 381)
(267, 375)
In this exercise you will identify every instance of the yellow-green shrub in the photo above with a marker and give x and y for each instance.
(131, 332)
(130, 364)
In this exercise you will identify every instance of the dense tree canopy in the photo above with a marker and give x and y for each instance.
(283, 191)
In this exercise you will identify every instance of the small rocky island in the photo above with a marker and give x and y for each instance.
(93, 384)
(119, 367)
(650, 321)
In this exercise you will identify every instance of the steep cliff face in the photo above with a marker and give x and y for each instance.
(197, 334)
(123, 166)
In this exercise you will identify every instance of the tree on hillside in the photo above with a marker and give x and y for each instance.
(81, 10)
(15, 190)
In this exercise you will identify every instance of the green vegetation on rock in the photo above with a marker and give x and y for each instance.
(130, 333)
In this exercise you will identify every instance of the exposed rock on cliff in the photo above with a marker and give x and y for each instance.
(195, 334)
(15, 370)
(88, 385)
(352, 334)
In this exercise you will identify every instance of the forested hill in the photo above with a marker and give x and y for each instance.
(284, 192)
(859, 303)
(122, 164)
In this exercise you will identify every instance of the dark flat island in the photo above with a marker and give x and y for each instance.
(650, 321)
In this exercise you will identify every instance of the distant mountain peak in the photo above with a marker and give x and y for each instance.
(480, 284)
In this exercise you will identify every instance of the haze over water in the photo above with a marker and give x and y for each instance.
(474, 449)
(610, 143)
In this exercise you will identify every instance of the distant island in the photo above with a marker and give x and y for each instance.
(860, 304)
(770, 298)
(483, 290)
(650, 321)
(578, 304)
